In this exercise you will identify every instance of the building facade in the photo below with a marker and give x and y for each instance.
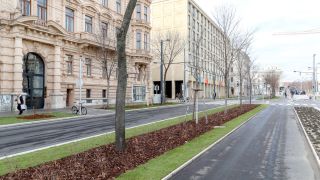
(202, 38)
(43, 42)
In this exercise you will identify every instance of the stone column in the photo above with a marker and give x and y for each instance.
(56, 95)
(17, 65)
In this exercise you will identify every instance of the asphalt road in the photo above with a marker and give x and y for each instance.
(21, 138)
(270, 146)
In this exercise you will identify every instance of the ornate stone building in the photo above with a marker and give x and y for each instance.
(43, 42)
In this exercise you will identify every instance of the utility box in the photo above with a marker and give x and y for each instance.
(157, 99)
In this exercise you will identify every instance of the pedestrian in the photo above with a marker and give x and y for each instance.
(21, 106)
(214, 95)
(285, 95)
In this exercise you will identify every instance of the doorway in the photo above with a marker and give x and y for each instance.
(33, 81)
(69, 98)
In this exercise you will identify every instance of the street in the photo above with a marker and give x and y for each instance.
(21, 138)
(270, 146)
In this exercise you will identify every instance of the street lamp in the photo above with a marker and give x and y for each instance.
(161, 70)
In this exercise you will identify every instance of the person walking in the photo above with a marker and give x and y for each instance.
(214, 95)
(21, 106)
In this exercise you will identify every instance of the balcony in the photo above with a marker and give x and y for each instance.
(142, 52)
(93, 39)
(141, 22)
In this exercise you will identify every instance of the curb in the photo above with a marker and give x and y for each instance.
(308, 139)
(206, 149)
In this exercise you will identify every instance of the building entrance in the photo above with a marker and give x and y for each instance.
(33, 80)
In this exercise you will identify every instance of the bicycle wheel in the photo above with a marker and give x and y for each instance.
(74, 110)
(83, 111)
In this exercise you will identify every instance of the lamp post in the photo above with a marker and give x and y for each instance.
(161, 70)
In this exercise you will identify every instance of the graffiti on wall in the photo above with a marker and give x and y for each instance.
(5, 103)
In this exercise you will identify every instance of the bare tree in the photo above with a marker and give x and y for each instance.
(122, 77)
(231, 41)
(106, 54)
(172, 48)
(251, 73)
(241, 65)
(196, 70)
(272, 77)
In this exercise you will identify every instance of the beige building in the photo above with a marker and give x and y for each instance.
(43, 41)
(191, 22)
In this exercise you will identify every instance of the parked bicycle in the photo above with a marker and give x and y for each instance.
(182, 100)
(76, 109)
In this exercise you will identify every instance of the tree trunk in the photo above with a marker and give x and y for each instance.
(164, 85)
(226, 92)
(240, 92)
(194, 105)
(250, 91)
(122, 77)
(108, 92)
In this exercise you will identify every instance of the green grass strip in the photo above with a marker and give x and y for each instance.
(161, 166)
(15, 120)
(54, 153)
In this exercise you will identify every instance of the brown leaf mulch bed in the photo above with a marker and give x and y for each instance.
(310, 119)
(106, 163)
(36, 116)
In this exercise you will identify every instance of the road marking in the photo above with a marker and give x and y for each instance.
(97, 135)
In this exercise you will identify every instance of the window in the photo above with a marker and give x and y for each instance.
(69, 20)
(88, 66)
(25, 7)
(69, 64)
(138, 10)
(139, 93)
(138, 41)
(104, 3)
(42, 9)
(104, 29)
(146, 41)
(146, 13)
(88, 24)
(88, 95)
(118, 4)
(104, 95)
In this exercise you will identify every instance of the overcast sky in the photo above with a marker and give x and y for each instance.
(290, 52)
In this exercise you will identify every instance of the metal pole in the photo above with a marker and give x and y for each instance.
(314, 77)
(300, 82)
(184, 75)
(80, 83)
(161, 72)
